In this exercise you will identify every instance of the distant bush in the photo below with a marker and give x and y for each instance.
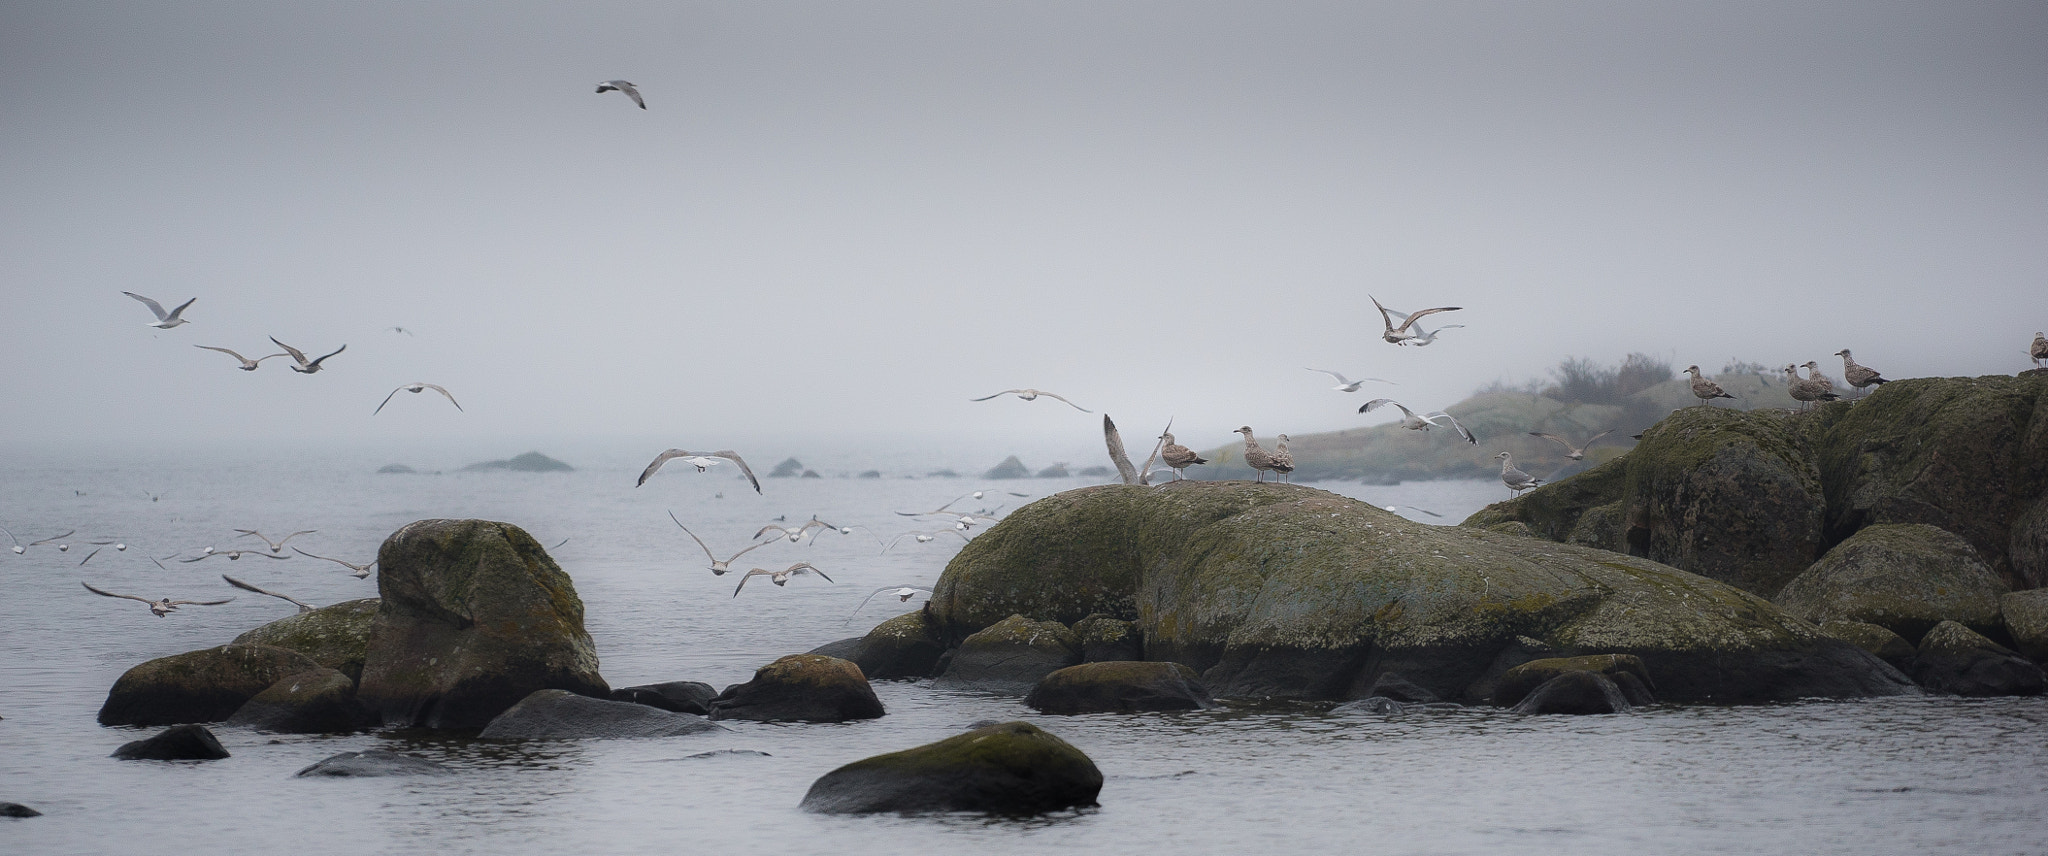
(1581, 380)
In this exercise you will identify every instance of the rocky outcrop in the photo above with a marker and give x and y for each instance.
(475, 617)
(333, 636)
(1010, 468)
(1905, 577)
(1954, 659)
(1105, 639)
(1120, 687)
(320, 701)
(801, 688)
(676, 696)
(372, 763)
(177, 743)
(1011, 655)
(1010, 768)
(207, 685)
(906, 646)
(563, 715)
(2025, 614)
(1575, 692)
(1888, 646)
(1626, 672)
(531, 462)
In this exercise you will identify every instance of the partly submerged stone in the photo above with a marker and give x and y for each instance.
(1626, 671)
(1011, 656)
(207, 685)
(12, 809)
(2025, 614)
(1011, 768)
(563, 715)
(189, 742)
(1954, 659)
(801, 688)
(1120, 687)
(475, 617)
(906, 646)
(677, 696)
(1906, 577)
(371, 763)
(334, 636)
(319, 701)
(1888, 646)
(1575, 692)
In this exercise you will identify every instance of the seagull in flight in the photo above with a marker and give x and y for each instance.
(164, 320)
(232, 555)
(925, 537)
(248, 365)
(17, 548)
(1422, 336)
(418, 386)
(780, 577)
(1576, 453)
(902, 594)
(795, 533)
(702, 461)
(1424, 422)
(159, 607)
(360, 571)
(623, 86)
(305, 366)
(1031, 394)
(302, 605)
(57, 539)
(1404, 334)
(276, 546)
(718, 566)
(1345, 384)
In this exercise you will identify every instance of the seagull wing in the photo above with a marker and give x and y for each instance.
(634, 93)
(1454, 424)
(693, 537)
(1385, 318)
(212, 602)
(229, 353)
(387, 400)
(734, 457)
(281, 541)
(316, 363)
(757, 572)
(10, 536)
(999, 395)
(157, 308)
(660, 459)
(295, 353)
(443, 390)
(1340, 378)
(105, 593)
(1376, 403)
(181, 309)
(53, 538)
(750, 547)
(1414, 316)
(350, 565)
(801, 567)
(1063, 398)
(1555, 439)
(88, 556)
(302, 605)
(1596, 438)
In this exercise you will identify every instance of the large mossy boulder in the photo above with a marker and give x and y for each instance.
(1120, 687)
(1289, 591)
(801, 688)
(475, 617)
(207, 685)
(322, 701)
(1010, 768)
(906, 646)
(2025, 614)
(1011, 656)
(334, 636)
(1954, 659)
(1905, 577)
(563, 715)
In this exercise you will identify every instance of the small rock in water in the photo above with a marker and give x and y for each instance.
(563, 715)
(1578, 692)
(1011, 768)
(677, 696)
(8, 809)
(374, 762)
(801, 688)
(177, 743)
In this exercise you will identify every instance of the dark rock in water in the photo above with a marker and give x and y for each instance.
(1522, 650)
(1010, 468)
(333, 636)
(1120, 687)
(1577, 692)
(902, 647)
(789, 467)
(374, 762)
(1011, 768)
(1954, 659)
(678, 696)
(811, 474)
(1011, 656)
(208, 685)
(1056, 471)
(563, 715)
(949, 474)
(2026, 619)
(475, 617)
(320, 701)
(8, 809)
(531, 462)
(1888, 646)
(870, 474)
(396, 469)
(1389, 707)
(1393, 686)
(1905, 577)
(1106, 639)
(801, 688)
(176, 743)
(1524, 679)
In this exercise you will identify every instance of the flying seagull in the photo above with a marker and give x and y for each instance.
(164, 320)
(160, 607)
(1576, 453)
(1424, 422)
(1423, 336)
(276, 546)
(305, 366)
(1030, 394)
(417, 386)
(1345, 384)
(232, 555)
(56, 539)
(303, 606)
(360, 571)
(702, 461)
(902, 594)
(1405, 333)
(248, 365)
(17, 548)
(623, 86)
(925, 537)
(1397, 509)
(718, 567)
(780, 577)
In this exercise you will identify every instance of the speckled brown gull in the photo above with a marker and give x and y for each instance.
(1423, 336)
(2039, 350)
(1806, 391)
(1405, 333)
(1254, 456)
(1177, 456)
(305, 366)
(1703, 389)
(1857, 374)
(1813, 374)
(1283, 460)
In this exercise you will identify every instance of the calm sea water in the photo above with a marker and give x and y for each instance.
(1918, 775)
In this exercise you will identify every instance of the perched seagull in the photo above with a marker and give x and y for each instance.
(164, 320)
(418, 386)
(702, 461)
(1283, 460)
(1705, 390)
(1031, 394)
(1404, 333)
(1259, 459)
(925, 537)
(1424, 422)
(902, 594)
(232, 555)
(623, 86)
(1857, 374)
(18, 549)
(718, 566)
(1514, 478)
(276, 546)
(1576, 453)
(2039, 350)
(360, 571)
(1177, 456)
(248, 365)
(1345, 384)
(1813, 374)
(1805, 390)
(303, 606)
(1423, 337)
(780, 577)
(305, 366)
(160, 607)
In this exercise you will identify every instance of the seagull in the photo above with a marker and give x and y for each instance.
(1705, 390)
(1030, 394)
(718, 566)
(1857, 374)
(418, 386)
(153, 497)
(398, 330)
(2038, 350)
(780, 577)
(902, 594)
(361, 571)
(18, 549)
(793, 533)
(1177, 456)
(248, 365)
(1576, 453)
(1259, 459)
(58, 540)
(1514, 478)
(1813, 374)
(961, 521)
(623, 86)
(1403, 334)
(702, 461)
(925, 537)
(1424, 422)
(1805, 390)
(303, 606)
(164, 320)
(304, 366)
(1345, 384)
(160, 607)
(1283, 460)
(232, 555)
(1422, 337)
(276, 546)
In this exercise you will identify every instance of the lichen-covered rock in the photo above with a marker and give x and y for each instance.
(189, 742)
(902, 647)
(1011, 656)
(1626, 671)
(1105, 639)
(1888, 646)
(1558, 510)
(2026, 618)
(207, 685)
(801, 688)
(2028, 550)
(1954, 659)
(475, 617)
(334, 636)
(677, 696)
(320, 701)
(1575, 692)
(1289, 591)
(1906, 577)
(371, 763)
(1010, 768)
(563, 715)
(1120, 687)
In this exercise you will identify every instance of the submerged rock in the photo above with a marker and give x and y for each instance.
(371, 763)
(1888, 646)
(320, 701)
(677, 696)
(1009, 768)
(1120, 687)
(1954, 659)
(563, 715)
(9, 809)
(1905, 577)
(396, 470)
(1626, 672)
(1011, 656)
(177, 743)
(1576, 692)
(333, 636)
(801, 688)
(207, 685)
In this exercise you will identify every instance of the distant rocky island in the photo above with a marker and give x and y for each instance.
(531, 462)
(396, 469)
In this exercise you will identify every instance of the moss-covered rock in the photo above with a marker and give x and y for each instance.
(322, 701)
(2028, 551)
(1011, 656)
(1011, 768)
(1120, 687)
(801, 688)
(1290, 591)
(1561, 509)
(334, 636)
(2025, 614)
(906, 646)
(1106, 639)
(1906, 577)
(1888, 646)
(1954, 659)
(1626, 671)
(677, 696)
(475, 617)
(207, 685)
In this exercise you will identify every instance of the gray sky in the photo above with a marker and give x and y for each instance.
(841, 220)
